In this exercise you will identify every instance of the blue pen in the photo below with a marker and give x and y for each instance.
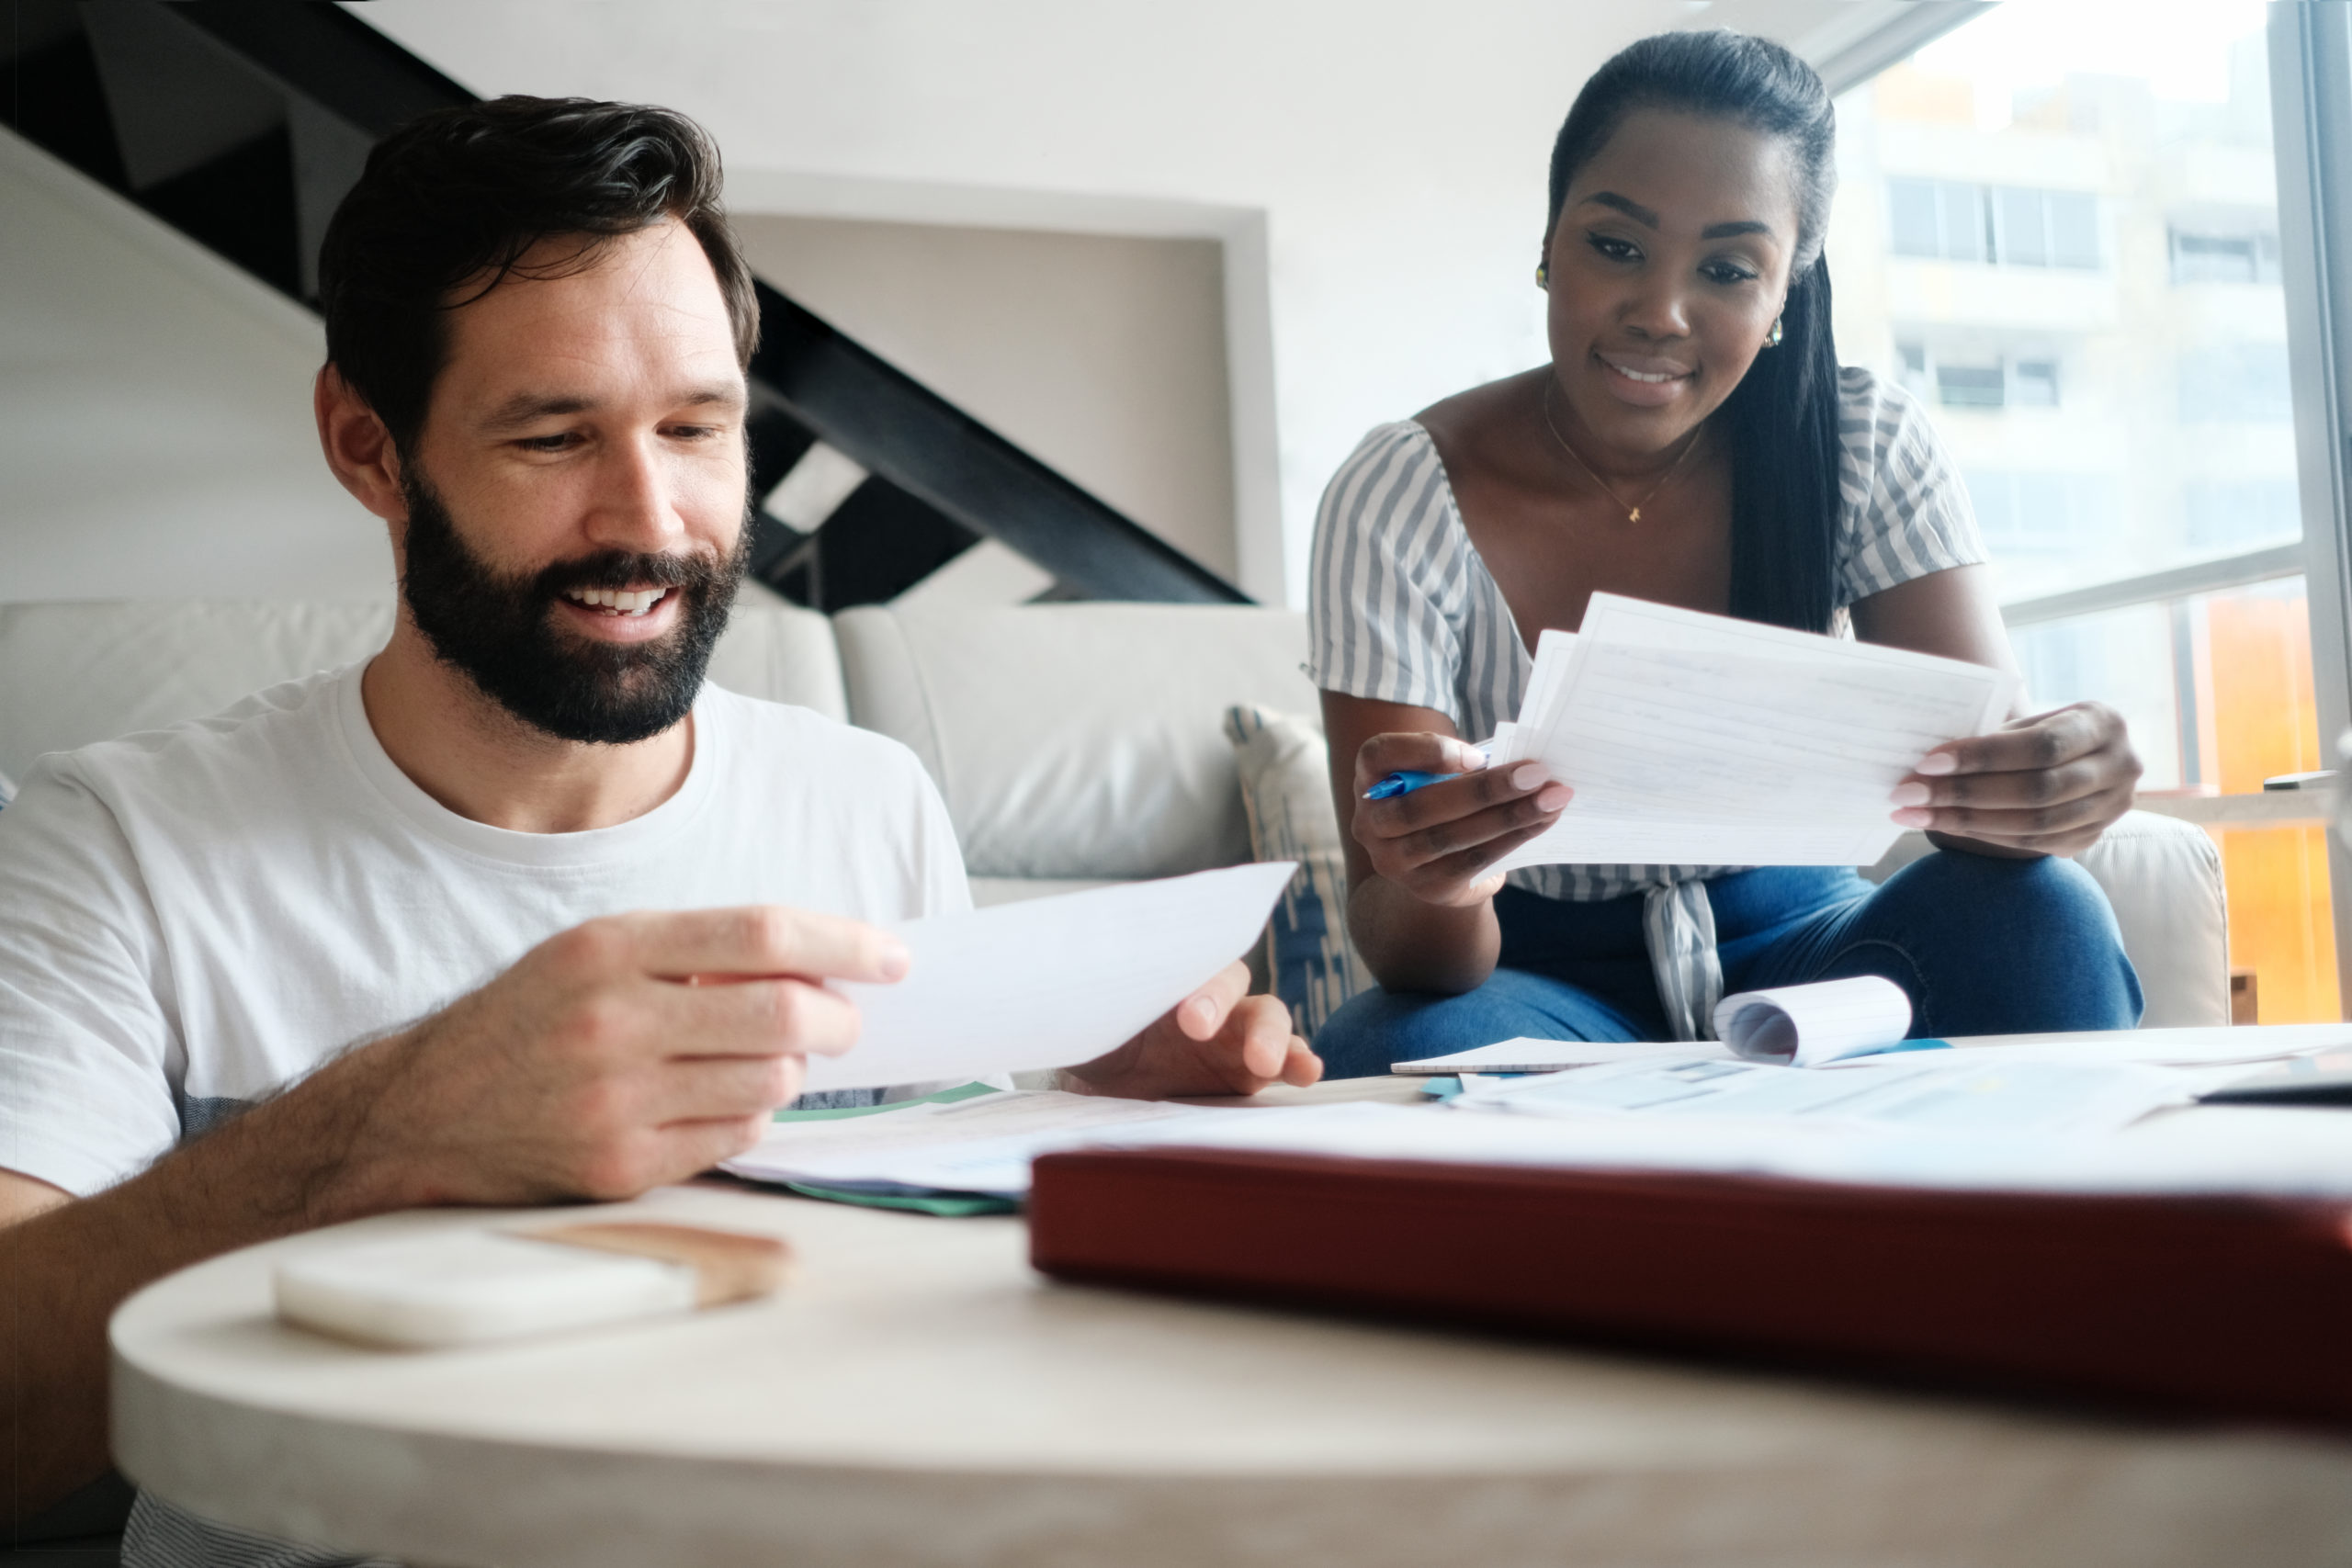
(1406, 781)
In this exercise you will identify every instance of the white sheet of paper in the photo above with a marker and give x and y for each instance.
(2209, 1045)
(981, 1144)
(1700, 739)
(1940, 1092)
(1805, 1026)
(2205, 1148)
(2215, 1046)
(1531, 1056)
(1048, 982)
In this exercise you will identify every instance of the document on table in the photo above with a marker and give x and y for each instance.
(981, 1144)
(1939, 1092)
(1861, 1022)
(2214, 1045)
(2208, 1149)
(1527, 1055)
(1700, 739)
(1048, 982)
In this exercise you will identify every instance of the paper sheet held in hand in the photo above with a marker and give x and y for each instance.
(1697, 740)
(1048, 982)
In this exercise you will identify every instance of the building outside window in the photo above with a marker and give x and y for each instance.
(2060, 231)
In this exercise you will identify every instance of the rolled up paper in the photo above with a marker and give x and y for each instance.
(1805, 1026)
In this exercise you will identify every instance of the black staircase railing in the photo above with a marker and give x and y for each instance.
(242, 122)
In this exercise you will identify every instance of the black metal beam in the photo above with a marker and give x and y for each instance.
(335, 60)
(900, 428)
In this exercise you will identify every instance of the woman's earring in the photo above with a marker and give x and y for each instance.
(1772, 338)
(1542, 277)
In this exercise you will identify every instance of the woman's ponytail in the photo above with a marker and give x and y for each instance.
(1782, 420)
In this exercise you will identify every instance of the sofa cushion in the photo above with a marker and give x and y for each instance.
(782, 653)
(1076, 740)
(990, 891)
(72, 673)
(1286, 789)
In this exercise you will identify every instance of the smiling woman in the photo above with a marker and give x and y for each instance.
(1694, 442)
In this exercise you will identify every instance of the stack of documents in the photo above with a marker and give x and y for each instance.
(980, 1144)
(2201, 1149)
(1947, 1092)
(2106, 1111)
(1814, 1080)
(1697, 740)
(2096, 1111)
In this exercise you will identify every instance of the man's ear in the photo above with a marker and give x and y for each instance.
(359, 448)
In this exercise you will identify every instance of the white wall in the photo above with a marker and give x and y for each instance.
(1396, 150)
(1102, 355)
(155, 433)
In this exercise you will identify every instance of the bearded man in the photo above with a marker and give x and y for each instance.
(442, 927)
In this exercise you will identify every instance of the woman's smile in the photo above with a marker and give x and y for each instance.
(1643, 380)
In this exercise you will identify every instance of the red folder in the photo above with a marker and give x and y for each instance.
(2230, 1305)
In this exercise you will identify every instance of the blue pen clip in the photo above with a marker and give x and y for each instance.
(1408, 781)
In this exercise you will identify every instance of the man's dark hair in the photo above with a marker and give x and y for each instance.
(451, 202)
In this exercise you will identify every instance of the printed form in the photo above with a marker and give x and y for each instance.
(1698, 740)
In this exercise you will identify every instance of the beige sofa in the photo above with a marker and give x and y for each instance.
(1076, 744)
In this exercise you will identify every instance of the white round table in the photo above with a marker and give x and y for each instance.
(919, 1396)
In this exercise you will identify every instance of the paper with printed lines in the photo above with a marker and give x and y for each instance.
(1698, 740)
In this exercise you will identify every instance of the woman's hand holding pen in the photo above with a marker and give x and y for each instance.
(2046, 785)
(1437, 842)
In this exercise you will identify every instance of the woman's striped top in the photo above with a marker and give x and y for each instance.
(1401, 609)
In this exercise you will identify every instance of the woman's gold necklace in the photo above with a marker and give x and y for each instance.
(1633, 510)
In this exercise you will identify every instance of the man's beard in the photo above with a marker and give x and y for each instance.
(500, 631)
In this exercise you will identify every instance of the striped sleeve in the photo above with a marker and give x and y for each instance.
(1906, 513)
(1388, 580)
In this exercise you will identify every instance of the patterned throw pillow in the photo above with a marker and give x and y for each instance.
(1286, 789)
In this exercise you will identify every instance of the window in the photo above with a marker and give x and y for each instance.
(2242, 382)
(2024, 227)
(2013, 225)
(1965, 231)
(2039, 512)
(1966, 377)
(1933, 218)
(2240, 513)
(2112, 381)
(2033, 383)
(2223, 258)
(2072, 219)
(1969, 385)
(1912, 358)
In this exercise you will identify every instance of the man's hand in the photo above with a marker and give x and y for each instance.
(620, 1055)
(2045, 785)
(1219, 1040)
(615, 1056)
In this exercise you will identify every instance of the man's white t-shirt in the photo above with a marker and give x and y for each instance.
(195, 916)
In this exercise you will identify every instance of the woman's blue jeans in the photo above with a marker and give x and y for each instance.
(1981, 946)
